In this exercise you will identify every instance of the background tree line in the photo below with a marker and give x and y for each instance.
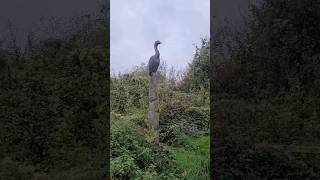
(54, 100)
(265, 94)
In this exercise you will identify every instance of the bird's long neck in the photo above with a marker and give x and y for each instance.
(156, 50)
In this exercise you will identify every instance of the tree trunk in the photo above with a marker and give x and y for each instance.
(153, 112)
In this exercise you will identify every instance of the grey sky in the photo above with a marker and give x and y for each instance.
(136, 24)
(26, 14)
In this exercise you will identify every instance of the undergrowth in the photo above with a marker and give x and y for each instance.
(193, 158)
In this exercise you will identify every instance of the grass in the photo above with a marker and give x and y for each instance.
(193, 158)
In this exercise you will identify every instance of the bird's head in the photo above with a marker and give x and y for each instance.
(157, 42)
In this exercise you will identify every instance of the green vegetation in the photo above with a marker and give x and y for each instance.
(193, 158)
(53, 103)
(266, 95)
(184, 124)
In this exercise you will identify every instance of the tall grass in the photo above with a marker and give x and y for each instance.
(193, 158)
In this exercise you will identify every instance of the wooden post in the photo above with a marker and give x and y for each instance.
(153, 112)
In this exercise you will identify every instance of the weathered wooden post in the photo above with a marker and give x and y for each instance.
(153, 112)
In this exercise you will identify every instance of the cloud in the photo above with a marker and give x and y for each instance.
(136, 24)
(26, 15)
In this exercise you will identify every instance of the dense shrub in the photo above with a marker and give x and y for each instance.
(133, 157)
(265, 100)
(178, 118)
(54, 102)
(13, 170)
(129, 90)
(197, 75)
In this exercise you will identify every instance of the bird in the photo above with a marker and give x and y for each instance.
(154, 60)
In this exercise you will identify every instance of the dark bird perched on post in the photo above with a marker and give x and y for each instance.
(153, 112)
(154, 60)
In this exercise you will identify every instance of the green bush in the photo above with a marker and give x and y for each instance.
(265, 93)
(13, 170)
(178, 119)
(54, 101)
(132, 157)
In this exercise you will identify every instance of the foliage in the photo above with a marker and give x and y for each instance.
(193, 158)
(13, 170)
(178, 118)
(182, 114)
(197, 75)
(129, 90)
(135, 158)
(53, 105)
(266, 97)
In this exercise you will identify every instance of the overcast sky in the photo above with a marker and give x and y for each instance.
(136, 24)
(26, 14)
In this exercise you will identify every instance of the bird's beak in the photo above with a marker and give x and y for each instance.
(160, 42)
